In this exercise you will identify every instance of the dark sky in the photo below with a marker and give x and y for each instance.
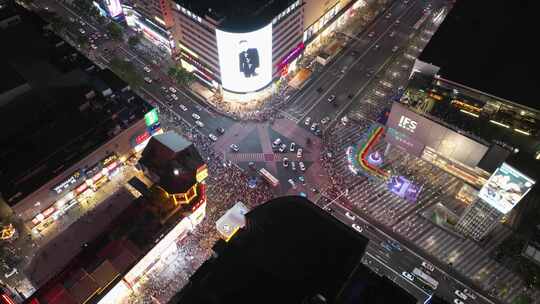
(491, 46)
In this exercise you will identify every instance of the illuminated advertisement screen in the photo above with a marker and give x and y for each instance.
(151, 117)
(245, 59)
(114, 7)
(505, 188)
(404, 188)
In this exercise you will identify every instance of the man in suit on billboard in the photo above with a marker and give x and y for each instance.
(248, 59)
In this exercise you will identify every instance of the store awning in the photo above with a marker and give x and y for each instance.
(300, 78)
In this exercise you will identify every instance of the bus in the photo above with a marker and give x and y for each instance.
(274, 182)
(425, 278)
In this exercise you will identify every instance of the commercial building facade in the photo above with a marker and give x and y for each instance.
(208, 37)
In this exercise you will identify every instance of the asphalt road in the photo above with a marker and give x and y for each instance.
(359, 57)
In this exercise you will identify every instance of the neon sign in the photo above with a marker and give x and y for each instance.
(292, 55)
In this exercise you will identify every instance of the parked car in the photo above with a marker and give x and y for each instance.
(460, 294)
(195, 116)
(386, 246)
(292, 146)
(183, 107)
(331, 98)
(147, 69)
(276, 142)
(371, 34)
(350, 216)
(395, 48)
(302, 166)
(147, 79)
(293, 184)
(220, 130)
(174, 97)
(212, 137)
(325, 120)
(172, 89)
(357, 227)
(395, 245)
(235, 147)
(285, 162)
(428, 266)
(469, 293)
(282, 148)
(199, 123)
(314, 126)
(307, 121)
(299, 153)
(408, 275)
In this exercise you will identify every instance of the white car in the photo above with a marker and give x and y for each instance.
(172, 89)
(293, 184)
(199, 123)
(469, 294)
(276, 142)
(195, 116)
(235, 147)
(344, 120)
(357, 228)
(285, 162)
(388, 16)
(282, 148)
(302, 166)
(392, 33)
(12, 272)
(183, 107)
(82, 31)
(460, 294)
(292, 146)
(147, 69)
(174, 96)
(148, 79)
(428, 266)
(308, 121)
(350, 216)
(407, 275)
(331, 98)
(458, 301)
(395, 48)
(371, 34)
(325, 120)
(93, 46)
(314, 126)
(212, 137)
(293, 165)
(299, 153)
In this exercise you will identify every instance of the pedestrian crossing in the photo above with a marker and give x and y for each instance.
(243, 157)
(372, 199)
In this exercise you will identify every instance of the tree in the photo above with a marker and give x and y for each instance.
(522, 299)
(181, 76)
(115, 31)
(83, 5)
(134, 40)
(126, 70)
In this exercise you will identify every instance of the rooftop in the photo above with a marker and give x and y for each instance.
(62, 117)
(277, 258)
(475, 115)
(174, 159)
(237, 15)
(485, 47)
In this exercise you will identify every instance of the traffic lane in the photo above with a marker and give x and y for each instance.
(380, 39)
(359, 45)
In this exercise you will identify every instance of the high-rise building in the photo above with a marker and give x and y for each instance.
(237, 47)
(467, 132)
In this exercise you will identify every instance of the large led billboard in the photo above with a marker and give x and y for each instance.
(412, 131)
(114, 7)
(505, 188)
(245, 59)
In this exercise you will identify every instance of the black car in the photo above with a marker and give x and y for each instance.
(220, 130)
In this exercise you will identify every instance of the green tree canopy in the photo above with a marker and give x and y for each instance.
(115, 31)
(181, 76)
